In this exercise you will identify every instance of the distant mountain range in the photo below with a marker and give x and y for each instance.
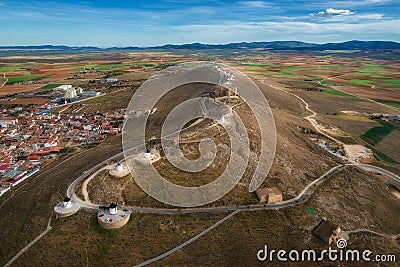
(276, 45)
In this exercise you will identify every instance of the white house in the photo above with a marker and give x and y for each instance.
(111, 80)
(70, 93)
(63, 87)
(5, 122)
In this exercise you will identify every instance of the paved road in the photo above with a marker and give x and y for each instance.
(308, 190)
(377, 169)
(300, 198)
(304, 195)
(288, 203)
(291, 202)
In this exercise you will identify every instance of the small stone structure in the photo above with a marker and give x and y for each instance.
(112, 218)
(270, 195)
(66, 208)
(119, 170)
(329, 232)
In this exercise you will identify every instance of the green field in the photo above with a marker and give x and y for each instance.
(90, 66)
(19, 79)
(336, 93)
(328, 82)
(286, 68)
(109, 66)
(333, 66)
(367, 83)
(284, 74)
(315, 79)
(383, 156)
(264, 64)
(371, 68)
(146, 65)
(378, 133)
(351, 118)
(396, 81)
(294, 68)
(395, 104)
(100, 67)
(9, 68)
(254, 69)
(387, 86)
(172, 62)
(374, 76)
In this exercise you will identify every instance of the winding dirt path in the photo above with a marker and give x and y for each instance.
(86, 182)
(310, 118)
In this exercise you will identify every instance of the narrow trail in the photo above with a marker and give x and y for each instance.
(166, 254)
(314, 123)
(310, 118)
(363, 230)
(6, 80)
(22, 251)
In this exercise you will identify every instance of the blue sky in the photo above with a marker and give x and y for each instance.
(148, 23)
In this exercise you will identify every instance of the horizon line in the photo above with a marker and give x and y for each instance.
(178, 44)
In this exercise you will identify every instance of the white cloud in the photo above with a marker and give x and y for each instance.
(366, 2)
(331, 12)
(290, 30)
(261, 4)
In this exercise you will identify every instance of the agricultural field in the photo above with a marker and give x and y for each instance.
(378, 133)
(331, 86)
(339, 89)
(376, 79)
(64, 69)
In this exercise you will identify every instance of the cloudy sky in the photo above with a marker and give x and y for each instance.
(147, 23)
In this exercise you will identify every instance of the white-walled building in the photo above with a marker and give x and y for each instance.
(63, 87)
(111, 80)
(70, 93)
(5, 122)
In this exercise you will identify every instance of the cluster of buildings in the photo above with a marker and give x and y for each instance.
(386, 117)
(71, 94)
(31, 138)
(28, 82)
